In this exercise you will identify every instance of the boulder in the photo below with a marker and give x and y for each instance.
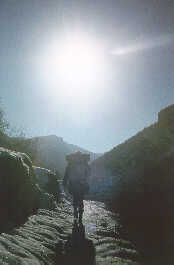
(19, 195)
(47, 182)
(47, 201)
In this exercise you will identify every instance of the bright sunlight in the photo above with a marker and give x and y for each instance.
(72, 61)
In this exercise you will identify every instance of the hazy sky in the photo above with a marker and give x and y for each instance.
(136, 40)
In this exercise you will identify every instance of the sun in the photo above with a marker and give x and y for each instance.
(73, 71)
(75, 60)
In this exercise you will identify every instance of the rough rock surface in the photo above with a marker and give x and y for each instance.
(49, 188)
(23, 188)
(47, 181)
(46, 238)
(18, 192)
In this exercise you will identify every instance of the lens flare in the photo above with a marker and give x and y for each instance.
(140, 46)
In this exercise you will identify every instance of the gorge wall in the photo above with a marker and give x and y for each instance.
(126, 163)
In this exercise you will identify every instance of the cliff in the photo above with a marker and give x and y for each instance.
(127, 162)
(142, 172)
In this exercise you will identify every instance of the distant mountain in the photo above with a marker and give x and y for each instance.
(52, 151)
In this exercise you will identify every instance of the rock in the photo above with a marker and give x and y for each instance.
(18, 192)
(46, 201)
(142, 174)
(102, 228)
(24, 188)
(47, 181)
(36, 242)
(50, 238)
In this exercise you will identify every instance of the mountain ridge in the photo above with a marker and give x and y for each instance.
(123, 168)
(160, 132)
(52, 151)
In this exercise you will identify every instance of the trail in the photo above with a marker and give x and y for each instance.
(101, 244)
(50, 237)
(102, 228)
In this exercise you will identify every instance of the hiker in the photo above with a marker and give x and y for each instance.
(76, 180)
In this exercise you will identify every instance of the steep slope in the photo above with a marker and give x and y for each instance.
(52, 151)
(127, 162)
(142, 172)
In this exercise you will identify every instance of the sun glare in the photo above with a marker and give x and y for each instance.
(73, 61)
(74, 69)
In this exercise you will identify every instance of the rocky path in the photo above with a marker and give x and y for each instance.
(97, 241)
(103, 230)
(50, 238)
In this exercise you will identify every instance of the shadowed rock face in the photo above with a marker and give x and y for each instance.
(23, 188)
(18, 193)
(143, 184)
(128, 161)
(49, 188)
(47, 181)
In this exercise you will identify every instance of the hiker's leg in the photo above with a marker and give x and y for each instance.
(75, 205)
(81, 208)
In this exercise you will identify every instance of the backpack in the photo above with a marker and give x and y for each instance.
(78, 174)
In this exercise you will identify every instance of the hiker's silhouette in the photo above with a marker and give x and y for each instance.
(76, 180)
(78, 249)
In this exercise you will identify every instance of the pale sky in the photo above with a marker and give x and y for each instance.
(130, 79)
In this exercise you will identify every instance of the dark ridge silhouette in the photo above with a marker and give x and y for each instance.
(142, 187)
